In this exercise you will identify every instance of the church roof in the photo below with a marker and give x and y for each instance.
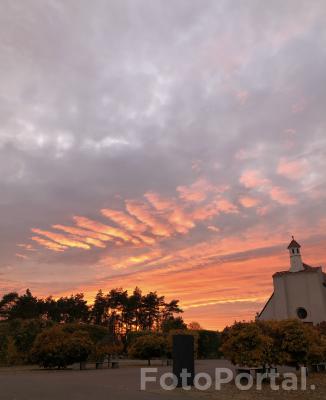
(265, 306)
(307, 268)
(294, 244)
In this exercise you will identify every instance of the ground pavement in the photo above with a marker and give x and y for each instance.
(121, 384)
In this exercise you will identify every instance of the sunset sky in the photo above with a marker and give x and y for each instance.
(175, 146)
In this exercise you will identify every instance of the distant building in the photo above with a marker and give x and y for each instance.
(299, 292)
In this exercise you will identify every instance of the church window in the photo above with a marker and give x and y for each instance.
(302, 313)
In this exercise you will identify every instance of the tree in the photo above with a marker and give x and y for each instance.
(247, 345)
(298, 343)
(79, 347)
(56, 348)
(14, 306)
(148, 347)
(151, 313)
(209, 344)
(7, 303)
(194, 326)
(132, 311)
(173, 323)
(116, 300)
(99, 309)
(24, 332)
(73, 308)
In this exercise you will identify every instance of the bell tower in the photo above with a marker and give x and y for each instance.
(295, 256)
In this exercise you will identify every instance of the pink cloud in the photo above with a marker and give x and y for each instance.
(225, 206)
(253, 179)
(248, 201)
(242, 96)
(294, 170)
(281, 196)
(196, 192)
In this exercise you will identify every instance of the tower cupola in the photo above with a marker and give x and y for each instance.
(295, 256)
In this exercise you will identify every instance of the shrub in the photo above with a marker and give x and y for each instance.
(148, 347)
(57, 348)
(299, 343)
(247, 345)
(287, 342)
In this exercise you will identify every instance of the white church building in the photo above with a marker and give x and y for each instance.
(299, 292)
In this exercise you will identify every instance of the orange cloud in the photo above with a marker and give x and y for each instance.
(131, 261)
(195, 192)
(124, 220)
(205, 212)
(63, 240)
(48, 244)
(96, 226)
(142, 212)
(95, 238)
(171, 211)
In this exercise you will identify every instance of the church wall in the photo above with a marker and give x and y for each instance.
(295, 290)
(280, 298)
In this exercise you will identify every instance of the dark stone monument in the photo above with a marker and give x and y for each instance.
(184, 357)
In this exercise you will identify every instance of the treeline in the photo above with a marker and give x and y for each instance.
(116, 310)
(57, 332)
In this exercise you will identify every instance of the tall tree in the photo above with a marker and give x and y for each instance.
(100, 309)
(25, 307)
(7, 303)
